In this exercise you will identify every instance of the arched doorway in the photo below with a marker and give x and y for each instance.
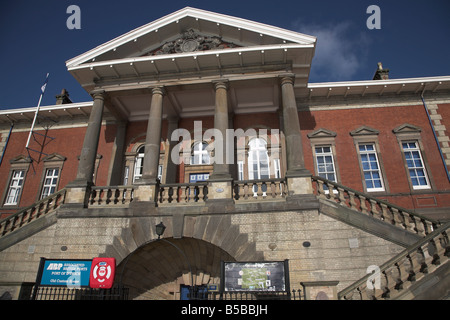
(158, 270)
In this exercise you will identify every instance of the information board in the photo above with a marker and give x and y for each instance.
(255, 276)
(70, 273)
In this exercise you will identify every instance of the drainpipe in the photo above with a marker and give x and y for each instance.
(6, 144)
(435, 136)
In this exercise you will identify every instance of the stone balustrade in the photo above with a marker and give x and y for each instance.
(403, 270)
(379, 209)
(269, 189)
(111, 196)
(31, 213)
(182, 193)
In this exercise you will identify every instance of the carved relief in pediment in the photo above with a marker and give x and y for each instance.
(191, 41)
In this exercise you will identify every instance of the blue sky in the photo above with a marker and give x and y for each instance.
(413, 40)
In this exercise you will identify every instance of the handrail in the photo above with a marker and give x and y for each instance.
(408, 265)
(32, 212)
(377, 208)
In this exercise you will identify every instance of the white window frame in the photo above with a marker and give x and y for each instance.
(323, 154)
(277, 168)
(160, 172)
(240, 169)
(138, 164)
(200, 149)
(50, 182)
(125, 175)
(15, 187)
(258, 154)
(370, 170)
(415, 168)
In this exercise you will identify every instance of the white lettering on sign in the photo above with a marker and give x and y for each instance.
(54, 266)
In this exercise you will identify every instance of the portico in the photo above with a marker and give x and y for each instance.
(191, 64)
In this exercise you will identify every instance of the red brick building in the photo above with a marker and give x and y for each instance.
(209, 123)
(383, 118)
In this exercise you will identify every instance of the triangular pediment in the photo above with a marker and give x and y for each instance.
(231, 31)
(54, 157)
(364, 131)
(322, 133)
(406, 128)
(20, 159)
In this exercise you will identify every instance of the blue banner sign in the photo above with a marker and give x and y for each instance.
(70, 273)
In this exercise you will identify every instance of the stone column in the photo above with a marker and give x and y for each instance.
(115, 174)
(220, 181)
(79, 189)
(88, 155)
(299, 178)
(153, 138)
(221, 170)
(146, 188)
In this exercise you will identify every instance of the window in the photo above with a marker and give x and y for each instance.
(240, 170)
(258, 159)
(15, 187)
(277, 169)
(160, 172)
(371, 167)
(415, 164)
(125, 175)
(139, 164)
(50, 182)
(325, 163)
(199, 153)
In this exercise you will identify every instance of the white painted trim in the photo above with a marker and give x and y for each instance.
(377, 82)
(48, 108)
(190, 54)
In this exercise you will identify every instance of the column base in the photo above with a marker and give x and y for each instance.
(78, 193)
(145, 193)
(220, 189)
(299, 183)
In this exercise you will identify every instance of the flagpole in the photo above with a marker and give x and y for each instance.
(37, 110)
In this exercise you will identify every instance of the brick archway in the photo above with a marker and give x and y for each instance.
(156, 269)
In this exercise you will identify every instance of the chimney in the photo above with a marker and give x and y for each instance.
(63, 98)
(381, 74)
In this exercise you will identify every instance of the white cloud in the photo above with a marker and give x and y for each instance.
(340, 51)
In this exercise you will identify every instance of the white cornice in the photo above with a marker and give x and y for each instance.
(378, 82)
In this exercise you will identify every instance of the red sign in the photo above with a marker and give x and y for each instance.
(102, 273)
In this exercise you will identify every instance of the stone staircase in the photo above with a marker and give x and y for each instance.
(421, 271)
(30, 220)
(383, 219)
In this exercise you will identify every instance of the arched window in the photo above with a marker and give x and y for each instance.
(199, 154)
(139, 164)
(258, 160)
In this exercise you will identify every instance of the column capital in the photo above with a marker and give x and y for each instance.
(158, 90)
(220, 84)
(287, 78)
(98, 94)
